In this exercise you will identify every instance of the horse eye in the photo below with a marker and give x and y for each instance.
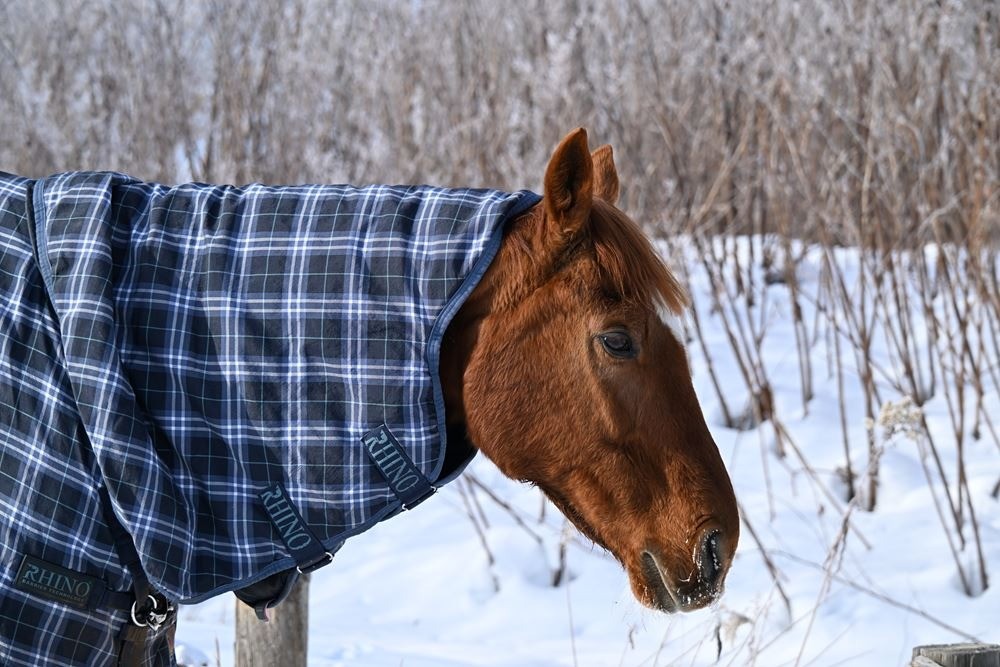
(618, 344)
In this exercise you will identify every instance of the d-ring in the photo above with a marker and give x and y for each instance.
(133, 612)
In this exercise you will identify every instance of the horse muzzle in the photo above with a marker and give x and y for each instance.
(702, 584)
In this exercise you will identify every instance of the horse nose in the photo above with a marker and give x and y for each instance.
(711, 561)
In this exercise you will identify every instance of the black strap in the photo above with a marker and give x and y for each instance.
(124, 546)
(133, 639)
(303, 544)
(148, 608)
(107, 598)
(396, 466)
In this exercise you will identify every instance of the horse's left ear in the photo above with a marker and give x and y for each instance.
(605, 174)
(569, 185)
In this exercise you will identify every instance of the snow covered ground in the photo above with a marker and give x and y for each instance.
(418, 590)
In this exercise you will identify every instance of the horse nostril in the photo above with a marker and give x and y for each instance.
(711, 558)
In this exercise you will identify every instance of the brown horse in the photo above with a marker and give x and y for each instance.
(249, 376)
(563, 369)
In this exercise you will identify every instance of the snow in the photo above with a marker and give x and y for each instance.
(418, 590)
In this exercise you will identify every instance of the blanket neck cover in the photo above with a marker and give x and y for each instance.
(197, 350)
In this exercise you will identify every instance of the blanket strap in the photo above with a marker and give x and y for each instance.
(303, 544)
(148, 609)
(408, 484)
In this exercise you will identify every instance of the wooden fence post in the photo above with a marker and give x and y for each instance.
(283, 640)
(957, 655)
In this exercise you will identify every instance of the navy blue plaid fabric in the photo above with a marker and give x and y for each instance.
(188, 347)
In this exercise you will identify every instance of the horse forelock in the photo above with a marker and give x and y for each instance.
(629, 265)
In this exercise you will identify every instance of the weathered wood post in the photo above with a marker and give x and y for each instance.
(957, 655)
(283, 640)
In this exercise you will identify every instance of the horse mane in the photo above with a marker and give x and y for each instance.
(630, 267)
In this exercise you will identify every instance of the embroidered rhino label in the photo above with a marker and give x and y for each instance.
(405, 480)
(286, 518)
(54, 582)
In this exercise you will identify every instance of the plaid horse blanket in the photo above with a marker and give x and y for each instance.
(230, 381)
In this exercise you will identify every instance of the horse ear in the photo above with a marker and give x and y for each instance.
(605, 174)
(569, 184)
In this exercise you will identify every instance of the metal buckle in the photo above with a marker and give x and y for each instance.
(326, 559)
(419, 500)
(152, 620)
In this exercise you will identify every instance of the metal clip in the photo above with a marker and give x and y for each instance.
(407, 508)
(325, 559)
(150, 618)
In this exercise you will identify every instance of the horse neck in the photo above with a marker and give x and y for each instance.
(511, 276)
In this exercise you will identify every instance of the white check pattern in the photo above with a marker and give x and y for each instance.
(202, 343)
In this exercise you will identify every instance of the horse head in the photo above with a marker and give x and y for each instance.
(566, 369)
